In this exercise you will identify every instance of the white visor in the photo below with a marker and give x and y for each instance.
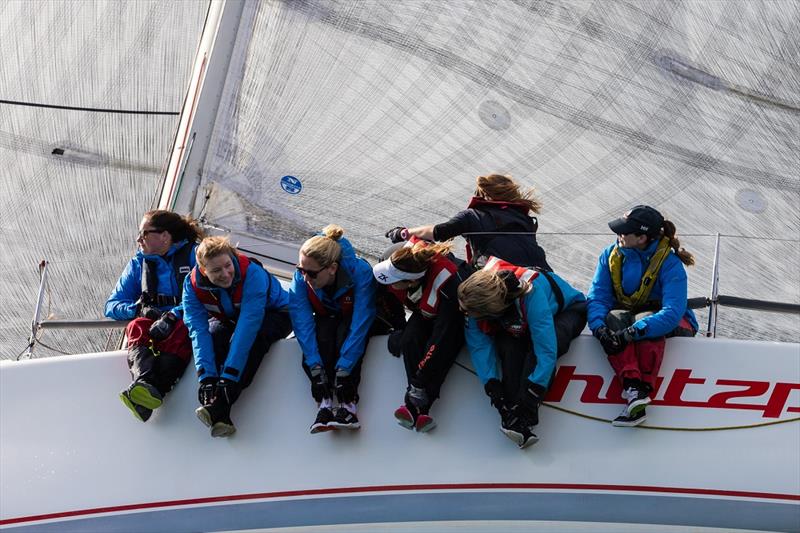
(386, 273)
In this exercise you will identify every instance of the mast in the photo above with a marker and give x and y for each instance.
(199, 111)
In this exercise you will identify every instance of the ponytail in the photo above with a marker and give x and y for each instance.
(669, 232)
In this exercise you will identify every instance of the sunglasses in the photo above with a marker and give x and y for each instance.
(312, 274)
(145, 232)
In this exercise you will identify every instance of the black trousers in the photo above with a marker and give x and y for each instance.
(428, 360)
(162, 371)
(276, 325)
(331, 334)
(516, 354)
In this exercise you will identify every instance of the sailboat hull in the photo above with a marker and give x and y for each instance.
(719, 449)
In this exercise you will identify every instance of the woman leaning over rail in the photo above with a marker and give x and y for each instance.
(149, 292)
(499, 221)
(332, 305)
(637, 299)
(520, 321)
(235, 310)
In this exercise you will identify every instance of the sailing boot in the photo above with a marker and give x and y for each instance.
(418, 399)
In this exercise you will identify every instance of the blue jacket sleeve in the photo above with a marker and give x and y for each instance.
(121, 305)
(302, 315)
(481, 349)
(195, 317)
(601, 294)
(672, 278)
(542, 331)
(364, 309)
(251, 314)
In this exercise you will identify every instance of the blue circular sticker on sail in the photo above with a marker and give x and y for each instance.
(291, 184)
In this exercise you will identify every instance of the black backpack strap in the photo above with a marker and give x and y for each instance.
(553, 286)
(181, 264)
(149, 281)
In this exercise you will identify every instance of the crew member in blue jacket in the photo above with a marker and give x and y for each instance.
(332, 305)
(520, 320)
(148, 293)
(638, 298)
(235, 310)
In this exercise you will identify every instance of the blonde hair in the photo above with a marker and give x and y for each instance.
(211, 247)
(503, 188)
(486, 293)
(323, 248)
(417, 258)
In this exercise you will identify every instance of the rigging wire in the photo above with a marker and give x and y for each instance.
(89, 109)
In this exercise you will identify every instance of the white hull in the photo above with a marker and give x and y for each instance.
(73, 458)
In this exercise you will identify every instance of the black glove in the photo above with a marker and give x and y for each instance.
(396, 234)
(611, 342)
(627, 335)
(494, 390)
(207, 392)
(418, 397)
(162, 328)
(228, 390)
(529, 402)
(319, 384)
(395, 343)
(345, 387)
(148, 311)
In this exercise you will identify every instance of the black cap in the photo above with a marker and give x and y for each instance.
(642, 219)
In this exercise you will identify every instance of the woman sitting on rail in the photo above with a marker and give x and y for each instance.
(520, 320)
(235, 310)
(332, 305)
(424, 277)
(149, 294)
(637, 299)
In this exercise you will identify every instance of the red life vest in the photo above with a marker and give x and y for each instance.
(210, 301)
(439, 272)
(345, 302)
(517, 328)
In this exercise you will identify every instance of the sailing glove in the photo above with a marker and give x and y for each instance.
(494, 390)
(162, 328)
(611, 342)
(319, 384)
(397, 234)
(529, 402)
(228, 390)
(207, 392)
(345, 387)
(395, 343)
(628, 334)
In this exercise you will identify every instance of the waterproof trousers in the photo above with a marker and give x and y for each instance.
(641, 359)
(159, 363)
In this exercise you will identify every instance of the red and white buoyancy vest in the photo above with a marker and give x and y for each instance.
(210, 301)
(514, 327)
(439, 272)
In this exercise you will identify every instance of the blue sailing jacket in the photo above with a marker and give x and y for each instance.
(121, 305)
(261, 292)
(541, 305)
(670, 288)
(354, 274)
